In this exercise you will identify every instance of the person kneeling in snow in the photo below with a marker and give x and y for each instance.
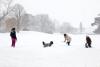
(47, 44)
(67, 38)
(13, 36)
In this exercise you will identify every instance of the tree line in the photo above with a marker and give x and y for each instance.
(14, 15)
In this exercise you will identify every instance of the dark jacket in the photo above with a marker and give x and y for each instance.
(13, 34)
(88, 39)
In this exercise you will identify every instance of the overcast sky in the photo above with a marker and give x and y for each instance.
(73, 11)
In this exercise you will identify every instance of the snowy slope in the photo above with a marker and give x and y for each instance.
(29, 51)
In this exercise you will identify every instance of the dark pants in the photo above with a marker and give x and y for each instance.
(13, 42)
(88, 45)
(68, 43)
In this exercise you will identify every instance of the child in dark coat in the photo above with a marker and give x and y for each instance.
(88, 42)
(13, 37)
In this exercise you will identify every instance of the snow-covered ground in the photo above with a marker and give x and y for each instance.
(29, 51)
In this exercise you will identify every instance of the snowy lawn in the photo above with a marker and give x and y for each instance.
(29, 51)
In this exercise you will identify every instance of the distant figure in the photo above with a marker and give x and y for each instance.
(88, 42)
(67, 38)
(13, 37)
(47, 44)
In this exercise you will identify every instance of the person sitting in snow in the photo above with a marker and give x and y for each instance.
(13, 37)
(67, 38)
(88, 42)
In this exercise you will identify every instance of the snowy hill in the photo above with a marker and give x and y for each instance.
(29, 51)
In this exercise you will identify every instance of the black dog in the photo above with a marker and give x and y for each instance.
(47, 44)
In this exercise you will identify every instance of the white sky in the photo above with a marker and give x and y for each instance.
(73, 11)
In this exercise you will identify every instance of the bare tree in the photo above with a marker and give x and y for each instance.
(5, 8)
(97, 23)
(10, 23)
(46, 24)
(18, 12)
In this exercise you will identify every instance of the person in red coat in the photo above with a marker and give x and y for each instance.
(13, 37)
